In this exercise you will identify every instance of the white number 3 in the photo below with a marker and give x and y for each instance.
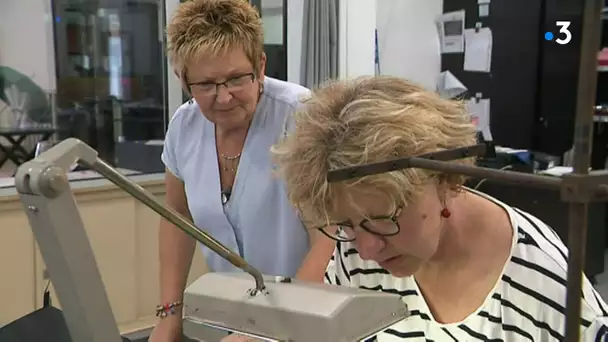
(563, 29)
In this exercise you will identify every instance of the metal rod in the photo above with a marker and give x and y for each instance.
(402, 163)
(583, 138)
(174, 217)
(532, 180)
(529, 179)
(52, 96)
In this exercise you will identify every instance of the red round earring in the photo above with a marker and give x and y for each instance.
(445, 213)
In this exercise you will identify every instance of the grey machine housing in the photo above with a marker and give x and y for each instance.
(289, 310)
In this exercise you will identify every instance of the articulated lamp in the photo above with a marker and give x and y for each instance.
(270, 308)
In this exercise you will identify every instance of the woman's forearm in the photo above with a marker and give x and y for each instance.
(315, 263)
(176, 250)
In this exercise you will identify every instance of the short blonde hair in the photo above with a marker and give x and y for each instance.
(369, 119)
(203, 27)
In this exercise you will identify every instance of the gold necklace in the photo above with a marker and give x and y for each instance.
(230, 159)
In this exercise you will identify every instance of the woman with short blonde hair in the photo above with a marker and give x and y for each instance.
(202, 28)
(217, 152)
(468, 266)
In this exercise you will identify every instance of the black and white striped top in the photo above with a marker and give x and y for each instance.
(527, 304)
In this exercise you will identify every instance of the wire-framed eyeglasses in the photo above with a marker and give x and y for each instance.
(377, 225)
(233, 84)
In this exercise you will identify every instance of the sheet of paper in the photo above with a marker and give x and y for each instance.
(557, 171)
(478, 49)
(451, 31)
(484, 10)
(480, 115)
(449, 86)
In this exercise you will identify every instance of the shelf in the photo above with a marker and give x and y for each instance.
(600, 118)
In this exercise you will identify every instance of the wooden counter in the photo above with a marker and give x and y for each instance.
(123, 235)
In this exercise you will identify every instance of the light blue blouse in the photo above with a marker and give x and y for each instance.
(258, 222)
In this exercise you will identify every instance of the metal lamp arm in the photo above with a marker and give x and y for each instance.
(45, 193)
(48, 178)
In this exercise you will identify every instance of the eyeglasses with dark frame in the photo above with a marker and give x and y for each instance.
(232, 84)
(377, 225)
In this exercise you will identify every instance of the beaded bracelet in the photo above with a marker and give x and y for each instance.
(165, 310)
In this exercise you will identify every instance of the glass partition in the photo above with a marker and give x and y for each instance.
(112, 78)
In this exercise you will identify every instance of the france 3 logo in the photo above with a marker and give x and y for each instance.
(563, 36)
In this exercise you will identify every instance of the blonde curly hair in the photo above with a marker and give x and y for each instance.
(370, 119)
(214, 27)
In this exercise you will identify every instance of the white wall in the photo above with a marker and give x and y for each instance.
(26, 40)
(295, 21)
(408, 39)
(26, 45)
(357, 23)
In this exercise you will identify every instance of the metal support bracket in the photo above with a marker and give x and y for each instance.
(584, 188)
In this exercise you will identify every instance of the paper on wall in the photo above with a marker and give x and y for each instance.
(484, 8)
(478, 49)
(479, 109)
(449, 86)
(450, 27)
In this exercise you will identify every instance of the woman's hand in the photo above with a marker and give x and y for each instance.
(168, 329)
